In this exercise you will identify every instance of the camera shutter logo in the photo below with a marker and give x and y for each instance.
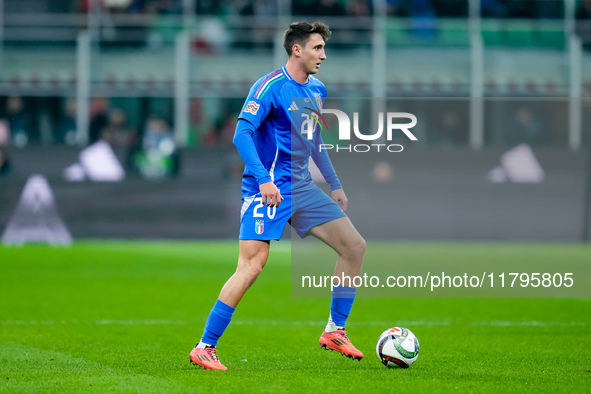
(312, 119)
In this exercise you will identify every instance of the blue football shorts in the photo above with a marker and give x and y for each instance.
(303, 210)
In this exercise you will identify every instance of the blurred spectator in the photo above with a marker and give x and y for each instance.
(584, 10)
(260, 8)
(150, 7)
(169, 7)
(424, 22)
(411, 8)
(393, 7)
(213, 136)
(228, 129)
(61, 6)
(359, 8)
(583, 23)
(523, 9)
(26, 6)
(198, 120)
(117, 133)
(445, 130)
(136, 7)
(213, 7)
(301, 7)
(4, 163)
(18, 121)
(68, 123)
(4, 133)
(4, 141)
(450, 8)
(526, 128)
(222, 132)
(233, 166)
(99, 119)
(327, 8)
(493, 8)
(551, 9)
(213, 37)
(115, 6)
(260, 35)
(156, 133)
(547, 9)
(159, 157)
(382, 172)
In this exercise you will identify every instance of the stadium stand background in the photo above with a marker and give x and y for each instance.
(75, 72)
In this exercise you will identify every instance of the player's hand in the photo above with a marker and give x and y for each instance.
(271, 196)
(340, 198)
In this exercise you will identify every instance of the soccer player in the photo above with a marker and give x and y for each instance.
(277, 188)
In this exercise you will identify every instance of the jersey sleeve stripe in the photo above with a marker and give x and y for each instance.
(266, 79)
(269, 83)
(272, 170)
(285, 72)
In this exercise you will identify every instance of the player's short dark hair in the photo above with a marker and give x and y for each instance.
(299, 33)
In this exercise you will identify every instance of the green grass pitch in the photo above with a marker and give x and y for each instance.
(123, 317)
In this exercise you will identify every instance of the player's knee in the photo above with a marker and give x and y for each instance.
(253, 270)
(257, 269)
(361, 247)
(356, 249)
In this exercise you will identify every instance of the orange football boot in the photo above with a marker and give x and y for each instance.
(339, 342)
(206, 358)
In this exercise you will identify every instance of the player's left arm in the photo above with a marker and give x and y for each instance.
(324, 164)
(340, 198)
(322, 161)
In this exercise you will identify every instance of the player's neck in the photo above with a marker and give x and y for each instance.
(296, 72)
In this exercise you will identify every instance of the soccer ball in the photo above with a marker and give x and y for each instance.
(397, 347)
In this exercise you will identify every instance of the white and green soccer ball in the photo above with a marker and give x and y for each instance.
(397, 347)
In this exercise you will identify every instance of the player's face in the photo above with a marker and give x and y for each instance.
(313, 54)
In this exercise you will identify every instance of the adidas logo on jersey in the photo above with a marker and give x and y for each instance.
(293, 107)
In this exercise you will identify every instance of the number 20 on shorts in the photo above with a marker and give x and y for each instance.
(270, 210)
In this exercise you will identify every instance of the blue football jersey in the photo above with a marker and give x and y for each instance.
(283, 153)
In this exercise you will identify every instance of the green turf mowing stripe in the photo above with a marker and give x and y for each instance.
(32, 369)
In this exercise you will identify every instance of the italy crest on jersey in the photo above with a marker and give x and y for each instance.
(259, 227)
(319, 102)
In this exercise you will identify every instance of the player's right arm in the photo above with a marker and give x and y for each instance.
(257, 107)
(270, 194)
(243, 140)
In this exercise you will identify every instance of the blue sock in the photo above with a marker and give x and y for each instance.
(218, 320)
(342, 301)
